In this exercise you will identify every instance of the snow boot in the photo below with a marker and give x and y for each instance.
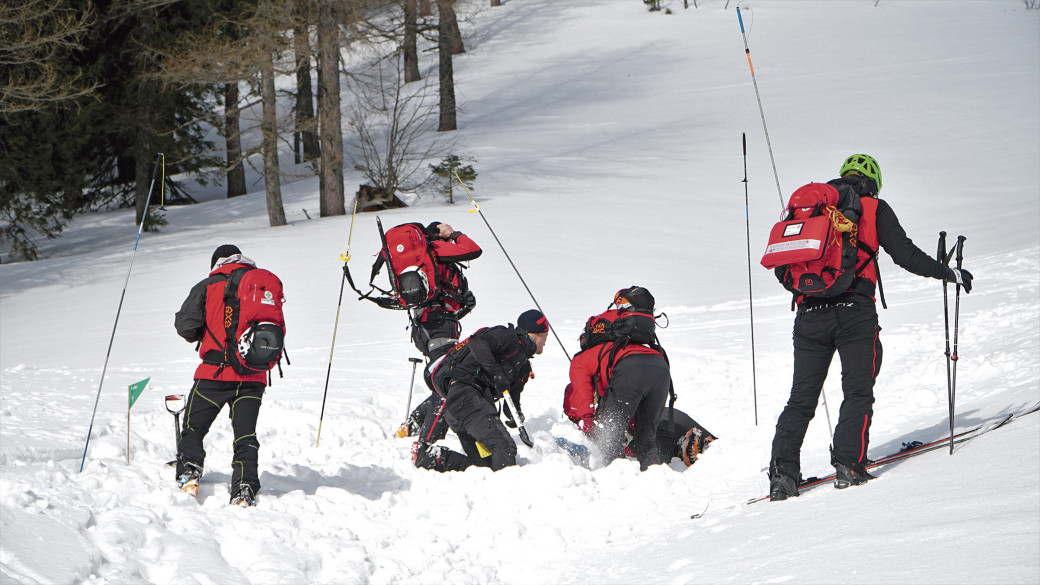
(782, 486)
(243, 496)
(427, 456)
(188, 480)
(845, 476)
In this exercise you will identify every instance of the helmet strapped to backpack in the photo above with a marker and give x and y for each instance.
(415, 282)
(253, 321)
(634, 298)
(865, 165)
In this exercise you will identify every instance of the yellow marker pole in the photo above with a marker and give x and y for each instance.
(345, 257)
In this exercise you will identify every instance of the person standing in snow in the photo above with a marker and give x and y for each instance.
(472, 376)
(848, 324)
(201, 320)
(611, 383)
(436, 327)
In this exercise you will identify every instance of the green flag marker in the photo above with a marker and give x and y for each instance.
(135, 391)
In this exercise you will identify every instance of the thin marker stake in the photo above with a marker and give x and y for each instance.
(477, 209)
(156, 175)
(758, 97)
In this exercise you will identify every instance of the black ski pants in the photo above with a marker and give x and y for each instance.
(206, 400)
(852, 330)
(474, 418)
(639, 386)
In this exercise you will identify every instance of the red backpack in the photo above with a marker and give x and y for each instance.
(814, 249)
(254, 324)
(414, 279)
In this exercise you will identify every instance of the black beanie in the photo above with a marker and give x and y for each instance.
(533, 321)
(223, 251)
(434, 228)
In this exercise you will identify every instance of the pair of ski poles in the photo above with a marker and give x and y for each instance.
(951, 358)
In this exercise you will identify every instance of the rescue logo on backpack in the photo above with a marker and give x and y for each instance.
(253, 320)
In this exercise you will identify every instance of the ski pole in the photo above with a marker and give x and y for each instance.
(758, 97)
(157, 174)
(345, 257)
(751, 300)
(522, 281)
(176, 412)
(956, 328)
(411, 388)
(942, 257)
(518, 417)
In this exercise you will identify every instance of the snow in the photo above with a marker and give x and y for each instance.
(608, 142)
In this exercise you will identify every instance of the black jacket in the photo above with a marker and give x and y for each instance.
(493, 359)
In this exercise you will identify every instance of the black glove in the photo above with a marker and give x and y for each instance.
(960, 276)
(499, 384)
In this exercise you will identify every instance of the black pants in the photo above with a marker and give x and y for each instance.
(438, 327)
(433, 425)
(639, 386)
(853, 332)
(474, 418)
(206, 400)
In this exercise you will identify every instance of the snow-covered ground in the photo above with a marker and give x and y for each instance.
(608, 142)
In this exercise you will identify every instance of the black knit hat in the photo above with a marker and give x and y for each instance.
(434, 228)
(533, 321)
(223, 251)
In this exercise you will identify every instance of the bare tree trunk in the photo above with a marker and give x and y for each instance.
(306, 125)
(454, 34)
(330, 176)
(409, 47)
(236, 171)
(496, 2)
(269, 126)
(142, 174)
(447, 72)
(425, 9)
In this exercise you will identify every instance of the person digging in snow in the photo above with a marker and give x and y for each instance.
(472, 376)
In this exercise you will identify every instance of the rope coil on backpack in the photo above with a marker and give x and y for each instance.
(843, 224)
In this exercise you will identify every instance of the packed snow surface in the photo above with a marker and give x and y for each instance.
(608, 142)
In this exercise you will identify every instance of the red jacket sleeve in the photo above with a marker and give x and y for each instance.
(460, 250)
(579, 399)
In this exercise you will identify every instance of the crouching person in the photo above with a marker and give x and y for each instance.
(621, 373)
(472, 376)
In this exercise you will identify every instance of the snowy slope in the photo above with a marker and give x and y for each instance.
(608, 141)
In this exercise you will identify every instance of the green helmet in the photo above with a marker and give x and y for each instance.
(865, 165)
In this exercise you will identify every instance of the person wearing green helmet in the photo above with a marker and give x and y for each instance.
(846, 323)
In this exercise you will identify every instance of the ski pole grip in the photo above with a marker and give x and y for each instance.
(941, 254)
(960, 250)
(740, 20)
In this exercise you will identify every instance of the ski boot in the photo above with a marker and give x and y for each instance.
(188, 480)
(243, 496)
(845, 476)
(781, 487)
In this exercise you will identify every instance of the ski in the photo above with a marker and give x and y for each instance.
(913, 449)
(908, 450)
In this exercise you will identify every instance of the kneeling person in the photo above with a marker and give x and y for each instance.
(472, 376)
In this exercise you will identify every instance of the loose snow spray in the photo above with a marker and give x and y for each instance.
(758, 98)
(158, 175)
